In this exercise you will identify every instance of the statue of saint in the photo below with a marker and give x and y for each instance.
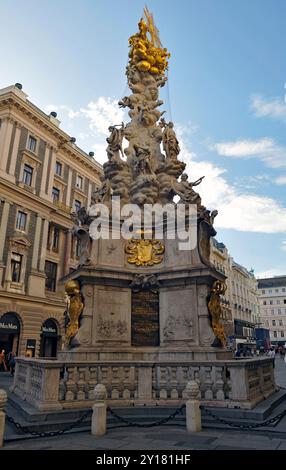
(103, 193)
(142, 161)
(184, 189)
(115, 142)
(170, 142)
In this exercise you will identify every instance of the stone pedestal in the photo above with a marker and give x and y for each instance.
(144, 312)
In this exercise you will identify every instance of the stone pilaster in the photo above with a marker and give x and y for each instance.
(36, 281)
(15, 150)
(44, 245)
(43, 192)
(89, 194)
(67, 252)
(5, 140)
(52, 172)
(3, 229)
(68, 196)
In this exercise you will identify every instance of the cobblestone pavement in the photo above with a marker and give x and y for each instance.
(159, 438)
(163, 437)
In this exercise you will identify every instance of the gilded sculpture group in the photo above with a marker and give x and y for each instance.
(144, 54)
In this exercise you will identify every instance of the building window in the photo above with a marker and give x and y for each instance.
(79, 182)
(273, 323)
(282, 334)
(264, 302)
(278, 302)
(56, 239)
(275, 334)
(270, 291)
(272, 312)
(16, 264)
(51, 275)
(21, 221)
(280, 323)
(77, 205)
(271, 302)
(32, 143)
(59, 168)
(279, 311)
(56, 194)
(283, 289)
(27, 175)
(263, 291)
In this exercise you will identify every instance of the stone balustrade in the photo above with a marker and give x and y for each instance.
(54, 385)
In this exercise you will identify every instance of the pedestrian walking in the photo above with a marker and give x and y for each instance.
(3, 365)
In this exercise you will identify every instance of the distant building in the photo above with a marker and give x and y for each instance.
(44, 176)
(223, 263)
(245, 306)
(241, 304)
(272, 298)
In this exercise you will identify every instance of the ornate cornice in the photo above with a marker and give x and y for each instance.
(12, 101)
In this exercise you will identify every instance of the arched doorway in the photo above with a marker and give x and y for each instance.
(49, 339)
(9, 332)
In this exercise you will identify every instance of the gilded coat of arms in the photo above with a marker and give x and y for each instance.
(144, 252)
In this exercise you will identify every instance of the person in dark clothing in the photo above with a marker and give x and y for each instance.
(12, 363)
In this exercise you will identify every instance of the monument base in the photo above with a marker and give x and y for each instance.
(176, 352)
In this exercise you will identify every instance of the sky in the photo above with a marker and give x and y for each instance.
(225, 94)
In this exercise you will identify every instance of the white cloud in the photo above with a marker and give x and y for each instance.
(70, 112)
(241, 211)
(271, 273)
(281, 180)
(266, 149)
(243, 148)
(103, 113)
(274, 107)
(96, 117)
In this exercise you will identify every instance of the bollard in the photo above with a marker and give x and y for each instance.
(98, 420)
(193, 412)
(3, 401)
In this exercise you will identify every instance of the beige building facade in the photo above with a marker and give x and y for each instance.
(44, 177)
(241, 302)
(272, 298)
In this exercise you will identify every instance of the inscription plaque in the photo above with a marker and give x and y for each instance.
(145, 318)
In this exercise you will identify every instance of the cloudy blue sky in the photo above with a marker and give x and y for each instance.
(226, 92)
